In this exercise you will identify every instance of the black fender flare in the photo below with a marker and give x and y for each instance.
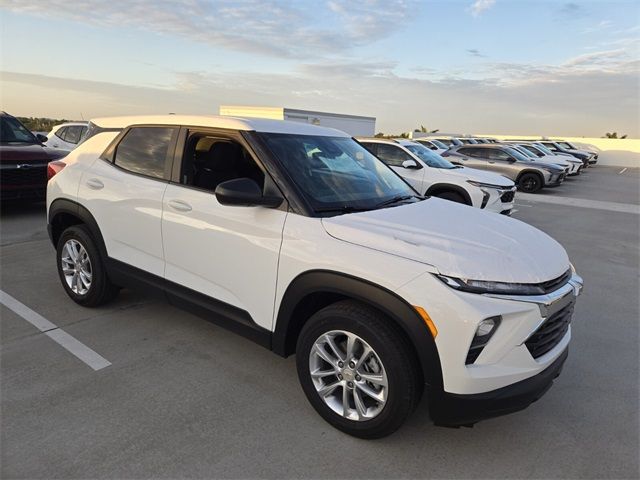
(391, 304)
(66, 206)
(439, 187)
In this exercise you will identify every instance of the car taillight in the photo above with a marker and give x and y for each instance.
(54, 167)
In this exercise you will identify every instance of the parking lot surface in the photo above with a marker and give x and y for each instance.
(184, 398)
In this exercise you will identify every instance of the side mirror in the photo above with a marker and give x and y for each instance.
(244, 192)
(41, 138)
(411, 164)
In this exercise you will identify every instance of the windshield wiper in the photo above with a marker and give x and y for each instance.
(343, 209)
(397, 199)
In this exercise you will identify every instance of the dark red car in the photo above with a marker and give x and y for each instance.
(23, 161)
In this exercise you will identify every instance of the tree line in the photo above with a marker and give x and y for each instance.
(39, 124)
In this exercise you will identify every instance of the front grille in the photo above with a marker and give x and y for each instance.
(18, 177)
(552, 285)
(550, 332)
(507, 197)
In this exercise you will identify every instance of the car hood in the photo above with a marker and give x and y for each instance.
(465, 173)
(29, 152)
(555, 160)
(456, 240)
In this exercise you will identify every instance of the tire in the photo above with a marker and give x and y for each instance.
(451, 196)
(530, 183)
(88, 284)
(391, 361)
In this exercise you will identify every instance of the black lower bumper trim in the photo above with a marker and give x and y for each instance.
(454, 410)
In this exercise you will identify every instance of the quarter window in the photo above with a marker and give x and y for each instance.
(144, 150)
(72, 134)
(60, 133)
(392, 155)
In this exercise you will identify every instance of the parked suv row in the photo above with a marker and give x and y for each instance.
(431, 174)
(300, 239)
(528, 174)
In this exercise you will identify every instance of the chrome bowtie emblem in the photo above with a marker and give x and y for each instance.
(24, 166)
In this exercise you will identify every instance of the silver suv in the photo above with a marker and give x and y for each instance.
(530, 176)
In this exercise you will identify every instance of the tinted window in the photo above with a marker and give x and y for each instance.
(72, 134)
(144, 150)
(446, 141)
(511, 152)
(209, 161)
(533, 150)
(60, 133)
(12, 131)
(474, 152)
(392, 155)
(500, 155)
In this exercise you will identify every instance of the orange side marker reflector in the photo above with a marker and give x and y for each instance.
(427, 320)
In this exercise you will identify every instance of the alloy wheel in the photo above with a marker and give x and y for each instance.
(348, 375)
(76, 267)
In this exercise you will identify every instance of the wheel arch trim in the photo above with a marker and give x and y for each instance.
(66, 206)
(445, 187)
(379, 297)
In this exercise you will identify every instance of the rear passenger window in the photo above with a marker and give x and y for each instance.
(473, 152)
(60, 133)
(145, 150)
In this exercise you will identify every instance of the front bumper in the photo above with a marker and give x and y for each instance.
(453, 410)
(500, 200)
(555, 180)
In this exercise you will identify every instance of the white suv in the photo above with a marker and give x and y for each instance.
(431, 174)
(298, 238)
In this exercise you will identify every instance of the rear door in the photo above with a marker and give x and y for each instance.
(229, 254)
(124, 192)
(473, 157)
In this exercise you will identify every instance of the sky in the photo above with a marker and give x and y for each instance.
(566, 68)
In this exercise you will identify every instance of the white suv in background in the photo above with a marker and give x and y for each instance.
(432, 175)
(432, 144)
(298, 238)
(66, 136)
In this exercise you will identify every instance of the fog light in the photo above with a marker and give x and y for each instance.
(486, 327)
(484, 332)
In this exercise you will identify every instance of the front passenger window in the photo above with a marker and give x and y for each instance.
(208, 161)
(392, 155)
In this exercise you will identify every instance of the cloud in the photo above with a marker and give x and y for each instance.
(278, 28)
(582, 96)
(475, 53)
(571, 10)
(478, 7)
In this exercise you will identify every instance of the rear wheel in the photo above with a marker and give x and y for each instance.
(357, 371)
(81, 268)
(530, 183)
(451, 196)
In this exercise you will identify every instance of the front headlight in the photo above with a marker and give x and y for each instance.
(485, 286)
(485, 185)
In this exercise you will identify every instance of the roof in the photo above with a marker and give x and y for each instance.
(399, 141)
(215, 121)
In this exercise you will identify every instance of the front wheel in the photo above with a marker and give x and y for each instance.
(357, 370)
(530, 183)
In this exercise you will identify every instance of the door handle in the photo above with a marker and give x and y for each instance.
(179, 205)
(95, 184)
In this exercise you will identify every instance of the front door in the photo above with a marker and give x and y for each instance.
(229, 254)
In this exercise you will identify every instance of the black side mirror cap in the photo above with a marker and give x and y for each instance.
(245, 192)
(41, 138)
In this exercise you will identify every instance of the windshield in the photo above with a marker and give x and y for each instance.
(336, 173)
(565, 145)
(445, 141)
(12, 131)
(438, 143)
(534, 150)
(432, 159)
(525, 151)
(517, 155)
(543, 148)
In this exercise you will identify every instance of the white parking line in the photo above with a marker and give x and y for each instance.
(62, 338)
(622, 171)
(582, 202)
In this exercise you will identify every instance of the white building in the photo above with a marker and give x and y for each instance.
(354, 125)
